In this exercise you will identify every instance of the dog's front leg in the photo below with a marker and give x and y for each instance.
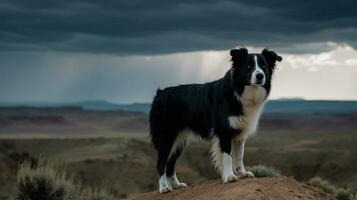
(237, 154)
(227, 173)
(227, 168)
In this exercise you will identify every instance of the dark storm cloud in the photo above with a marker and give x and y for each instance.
(154, 27)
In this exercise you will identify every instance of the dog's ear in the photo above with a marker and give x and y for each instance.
(239, 55)
(271, 57)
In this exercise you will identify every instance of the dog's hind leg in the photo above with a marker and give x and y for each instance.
(170, 170)
(164, 147)
(163, 155)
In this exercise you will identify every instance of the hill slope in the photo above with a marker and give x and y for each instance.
(277, 188)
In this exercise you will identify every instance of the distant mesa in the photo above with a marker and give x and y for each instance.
(286, 106)
(290, 99)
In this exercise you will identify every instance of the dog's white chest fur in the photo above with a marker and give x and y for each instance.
(253, 100)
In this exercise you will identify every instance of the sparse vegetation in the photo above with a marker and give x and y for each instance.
(47, 181)
(44, 181)
(324, 185)
(344, 194)
(96, 161)
(264, 171)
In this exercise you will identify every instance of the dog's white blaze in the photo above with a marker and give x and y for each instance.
(257, 70)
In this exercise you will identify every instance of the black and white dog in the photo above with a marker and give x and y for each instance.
(223, 112)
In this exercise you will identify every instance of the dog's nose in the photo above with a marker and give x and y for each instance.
(259, 76)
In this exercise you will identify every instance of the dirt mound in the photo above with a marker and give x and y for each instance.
(278, 188)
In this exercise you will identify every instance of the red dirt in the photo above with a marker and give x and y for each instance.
(277, 188)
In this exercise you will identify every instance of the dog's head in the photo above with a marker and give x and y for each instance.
(253, 69)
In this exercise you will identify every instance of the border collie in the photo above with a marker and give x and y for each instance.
(223, 112)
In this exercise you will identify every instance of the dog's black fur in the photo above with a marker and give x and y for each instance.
(203, 107)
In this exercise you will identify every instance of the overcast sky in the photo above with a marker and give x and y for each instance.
(121, 51)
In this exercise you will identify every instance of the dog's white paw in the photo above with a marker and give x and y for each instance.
(175, 183)
(249, 174)
(229, 178)
(245, 174)
(165, 189)
(179, 185)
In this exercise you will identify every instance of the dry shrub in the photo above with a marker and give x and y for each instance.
(324, 185)
(344, 194)
(45, 181)
(48, 181)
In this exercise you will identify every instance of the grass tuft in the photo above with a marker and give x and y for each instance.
(324, 185)
(44, 181)
(344, 194)
(264, 171)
